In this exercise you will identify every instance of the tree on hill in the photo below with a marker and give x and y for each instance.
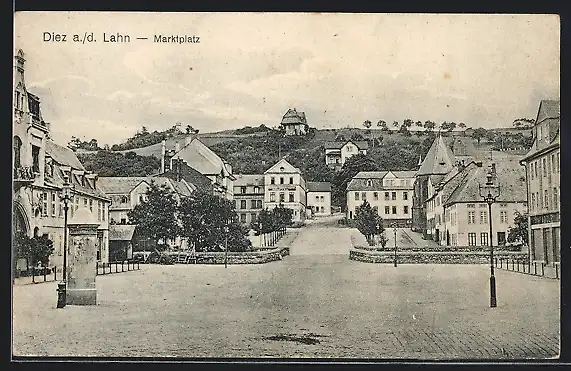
(523, 123)
(404, 130)
(382, 124)
(478, 134)
(407, 123)
(396, 124)
(157, 217)
(448, 126)
(419, 124)
(367, 124)
(462, 125)
(429, 125)
(350, 168)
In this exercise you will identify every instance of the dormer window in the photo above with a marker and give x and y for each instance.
(369, 182)
(282, 169)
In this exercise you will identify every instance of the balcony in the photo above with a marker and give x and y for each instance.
(24, 174)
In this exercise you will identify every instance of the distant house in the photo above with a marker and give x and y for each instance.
(284, 186)
(337, 153)
(319, 198)
(294, 123)
(249, 196)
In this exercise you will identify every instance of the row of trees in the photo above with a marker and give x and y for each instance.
(272, 224)
(207, 221)
(144, 137)
(408, 123)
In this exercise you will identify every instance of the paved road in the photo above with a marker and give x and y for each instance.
(314, 303)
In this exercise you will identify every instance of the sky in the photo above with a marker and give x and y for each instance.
(250, 68)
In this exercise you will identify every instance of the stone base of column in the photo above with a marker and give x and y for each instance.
(81, 296)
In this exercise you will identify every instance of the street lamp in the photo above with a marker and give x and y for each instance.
(490, 192)
(65, 196)
(395, 232)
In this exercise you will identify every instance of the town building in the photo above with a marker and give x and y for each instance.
(183, 173)
(284, 185)
(201, 158)
(390, 192)
(40, 169)
(457, 214)
(543, 173)
(249, 196)
(126, 193)
(294, 123)
(319, 198)
(437, 163)
(337, 153)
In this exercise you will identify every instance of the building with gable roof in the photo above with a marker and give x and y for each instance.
(457, 214)
(294, 123)
(249, 196)
(543, 173)
(284, 185)
(319, 198)
(437, 163)
(337, 153)
(40, 168)
(390, 192)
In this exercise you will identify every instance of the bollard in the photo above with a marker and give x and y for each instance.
(557, 271)
(535, 268)
(518, 265)
(122, 265)
(542, 269)
(138, 266)
(45, 272)
(501, 262)
(55, 273)
(116, 268)
(513, 265)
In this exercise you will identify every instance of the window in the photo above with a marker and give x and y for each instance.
(484, 239)
(539, 201)
(259, 204)
(242, 204)
(291, 180)
(471, 206)
(253, 204)
(282, 180)
(501, 238)
(282, 197)
(546, 197)
(376, 196)
(394, 209)
(104, 211)
(356, 196)
(387, 210)
(243, 218)
(535, 168)
(36, 158)
(369, 182)
(17, 147)
(364, 196)
(91, 205)
(471, 239)
(273, 180)
(386, 196)
(552, 165)
(291, 197)
(53, 204)
(76, 203)
(543, 163)
(254, 218)
(322, 198)
(532, 206)
(322, 209)
(98, 210)
(503, 217)
(482, 206)
(483, 217)
(531, 171)
(405, 195)
(123, 220)
(394, 195)
(555, 197)
(60, 202)
(272, 197)
(471, 217)
(256, 189)
(45, 204)
(242, 189)
(405, 209)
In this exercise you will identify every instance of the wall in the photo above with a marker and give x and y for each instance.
(257, 257)
(326, 203)
(432, 257)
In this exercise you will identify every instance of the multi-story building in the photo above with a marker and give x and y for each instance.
(284, 185)
(542, 168)
(201, 158)
(457, 214)
(249, 196)
(390, 192)
(337, 153)
(40, 168)
(438, 162)
(294, 123)
(319, 198)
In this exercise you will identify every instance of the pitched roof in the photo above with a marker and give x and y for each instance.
(370, 174)
(465, 185)
(548, 116)
(438, 160)
(548, 109)
(63, 155)
(362, 144)
(249, 179)
(284, 163)
(294, 117)
(119, 232)
(318, 187)
(404, 174)
(119, 185)
(360, 182)
(191, 176)
(198, 156)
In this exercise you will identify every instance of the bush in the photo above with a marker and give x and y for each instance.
(156, 258)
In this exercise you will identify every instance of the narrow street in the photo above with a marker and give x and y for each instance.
(314, 303)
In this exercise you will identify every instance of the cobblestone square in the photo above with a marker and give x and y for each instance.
(314, 303)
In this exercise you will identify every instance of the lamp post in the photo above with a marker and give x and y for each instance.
(490, 192)
(395, 233)
(226, 230)
(65, 196)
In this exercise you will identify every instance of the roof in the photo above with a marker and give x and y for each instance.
(360, 182)
(119, 232)
(63, 155)
(191, 176)
(404, 174)
(285, 164)
(249, 179)
(548, 109)
(294, 117)
(318, 187)
(464, 187)
(548, 116)
(438, 160)
(371, 174)
(119, 185)
(362, 144)
(198, 156)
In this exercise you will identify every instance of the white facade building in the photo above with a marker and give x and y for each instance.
(284, 185)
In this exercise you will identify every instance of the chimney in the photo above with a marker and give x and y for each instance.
(163, 154)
